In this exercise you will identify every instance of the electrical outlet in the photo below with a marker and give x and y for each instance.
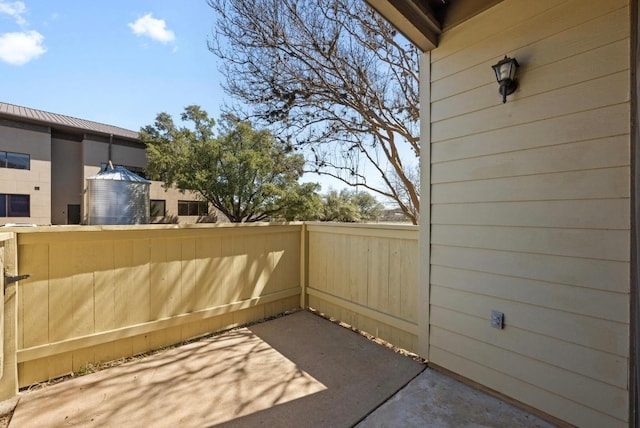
(497, 319)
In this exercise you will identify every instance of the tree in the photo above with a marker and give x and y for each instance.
(303, 203)
(338, 207)
(350, 207)
(245, 173)
(332, 78)
(369, 207)
(401, 192)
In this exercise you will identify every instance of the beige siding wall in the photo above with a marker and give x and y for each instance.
(102, 293)
(366, 276)
(171, 197)
(66, 178)
(34, 141)
(530, 206)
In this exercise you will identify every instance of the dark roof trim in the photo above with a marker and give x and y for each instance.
(422, 21)
(412, 18)
(459, 11)
(54, 120)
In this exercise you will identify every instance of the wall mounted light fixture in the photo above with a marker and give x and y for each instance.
(506, 76)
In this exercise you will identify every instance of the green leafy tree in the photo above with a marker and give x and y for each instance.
(339, 207)
(350, 207)
(245, 173)
(369, 207)
(303, 203)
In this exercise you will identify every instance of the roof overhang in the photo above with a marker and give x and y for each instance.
(422, 21)
(414, 18)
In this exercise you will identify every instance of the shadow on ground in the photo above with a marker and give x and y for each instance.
(298, 370)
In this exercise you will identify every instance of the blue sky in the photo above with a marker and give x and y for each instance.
(117, 62)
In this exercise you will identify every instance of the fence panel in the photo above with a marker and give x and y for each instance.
(367, 276)
(102, 293)
(8, 319)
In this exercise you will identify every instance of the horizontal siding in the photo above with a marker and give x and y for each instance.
(592, 154)
(522, 31)
(580, 214)
(584, 184)
(577, 300)
(482, 27)
(582, 243)
(587, 331)
(534, 396)
(600, 123)
(545, 349)
(590, 273)
(530, 206)
(563, 48)
(604, 60)
(607, 90)
(599, 396)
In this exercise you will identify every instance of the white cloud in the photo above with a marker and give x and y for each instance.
(20, 48)
(14, 9)
(153, 28)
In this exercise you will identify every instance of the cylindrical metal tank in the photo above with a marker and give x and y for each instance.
(117, 196)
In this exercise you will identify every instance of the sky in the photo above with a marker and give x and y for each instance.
(116, 62)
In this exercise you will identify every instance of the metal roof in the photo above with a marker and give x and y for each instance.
(11, 111)
(118, 173)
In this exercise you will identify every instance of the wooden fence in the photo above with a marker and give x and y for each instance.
(102, 293)
(97, 294)
(8, 321)
(366, 276)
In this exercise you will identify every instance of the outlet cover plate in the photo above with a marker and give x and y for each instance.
(497, 319)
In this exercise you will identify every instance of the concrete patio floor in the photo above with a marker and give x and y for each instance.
(299, 370)
(435, 400)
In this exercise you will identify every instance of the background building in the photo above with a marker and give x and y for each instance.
(45, 159)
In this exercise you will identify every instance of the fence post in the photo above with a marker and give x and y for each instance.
(304, 265)
(424, 241)
(9, 381)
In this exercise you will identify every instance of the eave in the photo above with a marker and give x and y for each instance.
(422, 21)
(413, 18)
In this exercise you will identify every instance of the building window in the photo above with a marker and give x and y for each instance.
(193, 208)
(14, 205)
(14, 160)
(158, 208)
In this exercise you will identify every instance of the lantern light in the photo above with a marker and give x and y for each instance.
(505, 71)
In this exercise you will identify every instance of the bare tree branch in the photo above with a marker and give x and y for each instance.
(334, 80)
